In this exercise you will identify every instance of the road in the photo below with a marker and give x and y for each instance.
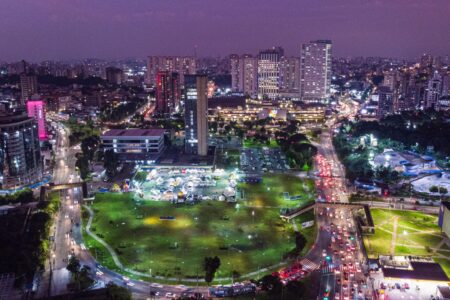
(338, 247)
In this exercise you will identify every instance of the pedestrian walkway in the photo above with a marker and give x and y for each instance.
(328, 269)
(309, 265)
(294, 225)
(394, 236)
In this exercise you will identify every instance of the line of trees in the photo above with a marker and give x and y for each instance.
(24, 239)
(297, 147)
(20, 197)
(418, 129)
(122, 111)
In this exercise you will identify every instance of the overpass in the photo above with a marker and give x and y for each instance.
(368, 227)
(64, 186)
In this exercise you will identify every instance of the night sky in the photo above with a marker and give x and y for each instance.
(65, 29)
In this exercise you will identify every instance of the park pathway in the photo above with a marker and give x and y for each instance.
(294, 225)
(101, 241)
(394, 236)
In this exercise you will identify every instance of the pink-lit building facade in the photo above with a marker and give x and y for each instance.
(36, 110)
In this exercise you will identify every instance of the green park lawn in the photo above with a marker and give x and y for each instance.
(246, 237)
(270, 191)
(417, 234)
(253, 143)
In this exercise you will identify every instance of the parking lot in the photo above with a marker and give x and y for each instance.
(262, 160)
(404, 289)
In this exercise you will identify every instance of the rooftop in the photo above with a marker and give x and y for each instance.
(420, 271)
(134, 132)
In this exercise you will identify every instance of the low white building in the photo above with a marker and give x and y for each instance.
(134, 145)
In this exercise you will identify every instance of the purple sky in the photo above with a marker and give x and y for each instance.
(64, 29)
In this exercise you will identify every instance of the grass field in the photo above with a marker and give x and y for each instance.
(270, 191)
(246, 237)
(252, 143)
(416, 234)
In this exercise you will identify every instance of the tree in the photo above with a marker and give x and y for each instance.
(140, 176)
(272, 285)
(110, 163)
(386, 174)
(210, 265)
(73, 266)
(89, 145)
(443, 190)
(434, 189)
(84, 279)
(300, 242)
(294, 290)
(115, 292)
(83, 166)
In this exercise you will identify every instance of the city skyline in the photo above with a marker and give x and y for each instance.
(79, 29)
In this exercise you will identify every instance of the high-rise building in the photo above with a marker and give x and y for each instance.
(269, 72)
(168, 92)
(244, 74)
(315, 71)
(196, 114)
(114, 75)
(434, 91)
(36, 110)
(446, 85)
(385, 102)
(290, 75)
(390, 80)
(28, 86)
(20, 156)
(183, 65)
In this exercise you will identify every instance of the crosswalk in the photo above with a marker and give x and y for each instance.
(327, 269)
(309, 265)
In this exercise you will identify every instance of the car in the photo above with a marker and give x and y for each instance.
(397, 285)
(170, 295)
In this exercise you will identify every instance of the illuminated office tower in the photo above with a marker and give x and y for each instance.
(20, 155)
(183, 65)
(36, 110)
(269, 72)
(167, 92)
(196, 114)
(244, 74)
(315, 71)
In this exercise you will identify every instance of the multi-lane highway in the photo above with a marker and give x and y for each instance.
(342, 258)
